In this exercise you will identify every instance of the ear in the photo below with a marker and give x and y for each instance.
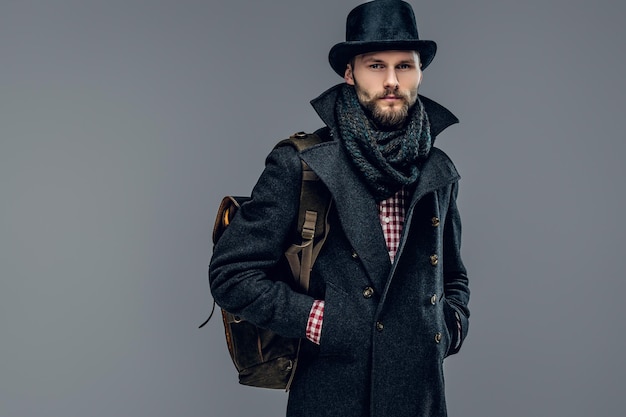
(348, 76)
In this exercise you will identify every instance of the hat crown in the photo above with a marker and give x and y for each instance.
(381, 20)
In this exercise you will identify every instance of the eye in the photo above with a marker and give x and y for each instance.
(376, 66)
(405, 66)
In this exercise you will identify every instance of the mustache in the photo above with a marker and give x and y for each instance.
(395, 93)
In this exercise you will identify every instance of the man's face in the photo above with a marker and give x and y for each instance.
(386, 83)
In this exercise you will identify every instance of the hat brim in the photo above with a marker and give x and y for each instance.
(343, 52)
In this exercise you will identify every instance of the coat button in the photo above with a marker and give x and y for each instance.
(435, 221)
(368, 292)
(433, 299)
(354, 255)
(379, 326)
(434, 259)
(437, 337)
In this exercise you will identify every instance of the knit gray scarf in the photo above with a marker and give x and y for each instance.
(386, 160)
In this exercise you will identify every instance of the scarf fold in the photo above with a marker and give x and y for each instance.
(387, 160)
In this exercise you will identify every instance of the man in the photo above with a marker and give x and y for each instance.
(388, 294)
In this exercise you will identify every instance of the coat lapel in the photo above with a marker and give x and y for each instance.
(438, 171)
(357, 209)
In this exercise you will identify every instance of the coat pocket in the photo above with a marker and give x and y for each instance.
(339, 335)
(452, 328)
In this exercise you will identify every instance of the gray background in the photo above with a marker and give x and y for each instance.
(122, 124)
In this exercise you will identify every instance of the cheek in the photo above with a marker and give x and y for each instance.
(413, 82)
(411, 85)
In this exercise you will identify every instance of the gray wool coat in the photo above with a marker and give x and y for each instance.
(387, 327)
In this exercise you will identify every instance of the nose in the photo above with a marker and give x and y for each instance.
(391, 80)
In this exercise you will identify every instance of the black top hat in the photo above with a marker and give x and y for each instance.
(380, 25)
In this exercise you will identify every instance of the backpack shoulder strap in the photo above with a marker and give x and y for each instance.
(313, 227)
(301, 141)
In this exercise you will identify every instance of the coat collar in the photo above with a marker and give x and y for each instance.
(439, 117)
(356, 207)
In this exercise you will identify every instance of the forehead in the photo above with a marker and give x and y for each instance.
(388, 56)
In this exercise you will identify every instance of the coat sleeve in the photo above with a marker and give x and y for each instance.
(456, 288)
(245, 271)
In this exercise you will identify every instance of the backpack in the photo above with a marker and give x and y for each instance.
(263, 358)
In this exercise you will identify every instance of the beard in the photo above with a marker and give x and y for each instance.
(386, 117)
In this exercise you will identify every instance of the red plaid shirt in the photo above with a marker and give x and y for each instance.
(391, 214)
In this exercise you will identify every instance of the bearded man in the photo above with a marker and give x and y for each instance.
(388, 292)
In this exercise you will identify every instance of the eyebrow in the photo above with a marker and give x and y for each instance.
(372, 58)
